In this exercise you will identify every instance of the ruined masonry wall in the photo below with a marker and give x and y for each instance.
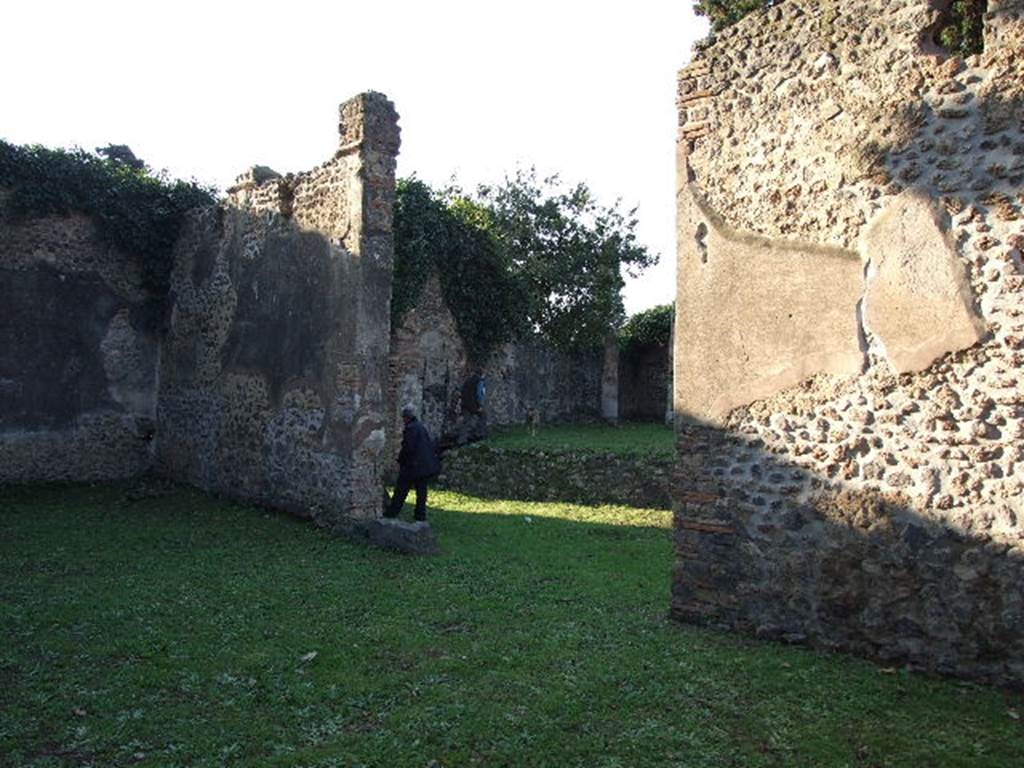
(274, 372)
(850, 337)
(429, 364)
(78, 354)
(530, 376)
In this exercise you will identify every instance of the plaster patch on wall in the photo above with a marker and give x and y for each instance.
(129, 361)
(919, 302)
(756, 315)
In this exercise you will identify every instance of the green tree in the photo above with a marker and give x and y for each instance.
(652, 327)
(724, 13)
(568, 252)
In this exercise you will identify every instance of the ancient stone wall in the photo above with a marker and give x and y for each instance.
(429, 364)
(78, 354)
(274, 372)
(531, 376)
(850, 335)
(553, 474)
(644, 376)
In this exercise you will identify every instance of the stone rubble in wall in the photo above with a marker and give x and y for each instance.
(814, 170)
(70, 244)
(949, 438)
(317, 200)
(238, 413)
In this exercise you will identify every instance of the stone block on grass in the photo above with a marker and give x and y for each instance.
(399, 536)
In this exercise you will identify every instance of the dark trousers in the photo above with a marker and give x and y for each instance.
(402, 488)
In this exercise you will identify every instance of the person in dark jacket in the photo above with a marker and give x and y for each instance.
(417, 463)
(473, 425)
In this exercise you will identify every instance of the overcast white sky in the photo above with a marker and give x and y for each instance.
(206, 89)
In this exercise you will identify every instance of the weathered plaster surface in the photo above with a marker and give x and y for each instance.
(756, 315)
(918, 301)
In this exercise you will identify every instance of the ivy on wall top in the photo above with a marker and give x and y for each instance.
(725, 13)
(962, 29)
(135, 211)
(439, 231)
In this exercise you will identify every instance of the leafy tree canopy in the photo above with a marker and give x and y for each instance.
(526, 256)
(568, 250)
(652, 327)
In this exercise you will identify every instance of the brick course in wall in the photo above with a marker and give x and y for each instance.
(850, 425)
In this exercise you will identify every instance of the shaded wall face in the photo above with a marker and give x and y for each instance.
(274, 370)
(532, 377)
(428, 365)
(848, 339)
(644, 376)
(78, 355)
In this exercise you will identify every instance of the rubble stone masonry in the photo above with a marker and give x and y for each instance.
(78, 354)
(849, 343)
(274, 372)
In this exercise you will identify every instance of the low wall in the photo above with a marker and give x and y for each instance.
(274, 371)
(559, 475)
(78, 354)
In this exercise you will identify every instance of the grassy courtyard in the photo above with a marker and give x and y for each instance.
(629, 438)
(180, 630)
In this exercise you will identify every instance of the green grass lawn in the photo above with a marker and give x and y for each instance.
(186, 631)
(627, 438)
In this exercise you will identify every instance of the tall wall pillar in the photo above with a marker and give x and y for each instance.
(274, 372)
(368, 127)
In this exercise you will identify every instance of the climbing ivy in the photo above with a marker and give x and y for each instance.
(652, 327)
(962, 30)
(134, 210)
(446, 232)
